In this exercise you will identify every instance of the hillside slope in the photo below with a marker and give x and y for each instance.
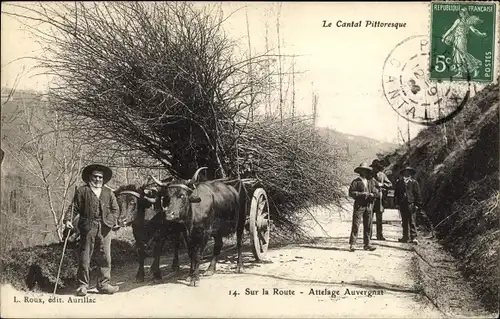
(357, 148)
(457, 165)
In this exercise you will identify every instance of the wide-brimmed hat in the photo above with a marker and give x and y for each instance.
(410, 169)
(363, 166)
(106, 171)
(377, 163)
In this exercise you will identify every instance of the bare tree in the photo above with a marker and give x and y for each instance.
(293, 87)
(51, 156)
(315, 99)
(280, 65)
(268, 69)
(250, 74)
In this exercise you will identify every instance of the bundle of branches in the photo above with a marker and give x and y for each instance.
(164, 80)
(296, 165)
(160, 78)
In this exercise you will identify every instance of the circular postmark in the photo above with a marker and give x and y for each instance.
(408, 89)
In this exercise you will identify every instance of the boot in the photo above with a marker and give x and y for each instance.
(81, 291)
(351, 248)
(108, 289)
(403, 240)
(370, 248)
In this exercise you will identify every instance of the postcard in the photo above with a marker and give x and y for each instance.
(249, 159)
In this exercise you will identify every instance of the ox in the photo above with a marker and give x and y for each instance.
(137, 210)
(148, 224)
(208, 209)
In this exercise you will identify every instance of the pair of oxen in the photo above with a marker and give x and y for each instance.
(189, 208)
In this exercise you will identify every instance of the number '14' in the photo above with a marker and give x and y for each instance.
(233, 292)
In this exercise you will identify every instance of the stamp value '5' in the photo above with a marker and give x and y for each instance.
(463, 41)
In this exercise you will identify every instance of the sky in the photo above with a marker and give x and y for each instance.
(342, 65)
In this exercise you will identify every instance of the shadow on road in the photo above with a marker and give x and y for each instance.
(324, 247)
(125, 276)
(378, 243)
(342, 244)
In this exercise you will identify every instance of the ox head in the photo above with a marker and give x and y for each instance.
(180, 197)
(177, 197)
(133, 201)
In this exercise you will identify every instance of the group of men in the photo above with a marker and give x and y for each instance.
(368, 191)
(98, 210)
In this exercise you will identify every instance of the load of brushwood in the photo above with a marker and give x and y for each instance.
(162, 80)
(457, 165)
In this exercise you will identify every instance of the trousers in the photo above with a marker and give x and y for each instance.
(408, 218)
(364, 214)
(99, 235)
(377, 211)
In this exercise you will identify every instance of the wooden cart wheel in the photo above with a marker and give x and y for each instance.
(259, 223)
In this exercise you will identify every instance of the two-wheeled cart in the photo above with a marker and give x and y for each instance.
(258, 217)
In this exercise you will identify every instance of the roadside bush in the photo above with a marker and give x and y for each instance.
(36, 267)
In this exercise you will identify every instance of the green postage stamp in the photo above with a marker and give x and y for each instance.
(463, 41)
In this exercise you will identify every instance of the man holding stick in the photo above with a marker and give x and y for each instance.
(98, 213)
(383, 184)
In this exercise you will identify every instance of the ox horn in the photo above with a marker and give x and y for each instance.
(149, 199)
(111, 189)
(147, 193)
(136, 194)
(160, 183)
(195, 176)
(184, 187)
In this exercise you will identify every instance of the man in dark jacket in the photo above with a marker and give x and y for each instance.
(383, 184)
(364, 191)
(408, 198)
(98, 213)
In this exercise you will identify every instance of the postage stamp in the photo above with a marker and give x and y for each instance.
(463, 41)
(406, 85)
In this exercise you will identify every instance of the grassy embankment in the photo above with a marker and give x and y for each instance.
(457, 166)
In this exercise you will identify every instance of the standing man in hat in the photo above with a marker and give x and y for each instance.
(98, 213)
(364, 191)
(383, 184)
(407, 196)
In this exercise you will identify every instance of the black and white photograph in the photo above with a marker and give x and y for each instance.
(233, 159)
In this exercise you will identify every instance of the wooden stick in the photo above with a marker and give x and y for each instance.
(60, 263)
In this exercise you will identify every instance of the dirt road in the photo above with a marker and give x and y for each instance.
(318, 279)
